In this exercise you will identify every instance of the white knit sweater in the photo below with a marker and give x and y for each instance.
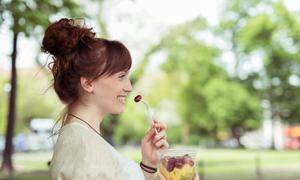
(81, 154)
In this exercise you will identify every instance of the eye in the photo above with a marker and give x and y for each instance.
(122, 76)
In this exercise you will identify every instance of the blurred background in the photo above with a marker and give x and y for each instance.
(224, 75)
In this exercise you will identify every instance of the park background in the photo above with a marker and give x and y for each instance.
(222, 74)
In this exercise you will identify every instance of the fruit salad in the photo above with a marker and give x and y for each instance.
(177, 167)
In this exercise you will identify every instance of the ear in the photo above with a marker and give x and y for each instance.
(86, 84)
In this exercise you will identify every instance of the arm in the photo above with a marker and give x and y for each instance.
(151, 144)
(148, 176)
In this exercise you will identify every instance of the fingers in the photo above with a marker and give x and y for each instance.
(152, 136)
(160, 138)
(160, 135)
(159, 125)
(196, 177)
(149, 135)
(162, 144)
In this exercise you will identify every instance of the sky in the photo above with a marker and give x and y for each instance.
(137, 24)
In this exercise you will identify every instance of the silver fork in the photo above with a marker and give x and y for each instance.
(149, 115)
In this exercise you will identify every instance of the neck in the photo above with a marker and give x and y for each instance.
(86, 112)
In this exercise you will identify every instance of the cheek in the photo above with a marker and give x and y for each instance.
(105, 94)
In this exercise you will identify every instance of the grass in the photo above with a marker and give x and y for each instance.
(248, 164)
(30, 166)
(213, 164)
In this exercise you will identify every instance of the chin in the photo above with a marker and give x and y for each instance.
(118, 111)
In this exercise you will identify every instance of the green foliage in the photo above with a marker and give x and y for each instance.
(174, 135)
(29, 16)
(206, 100)
(34, 100)
(203, 97)
(260, 34)
(132, 124)
(274, 36)
(238, 109)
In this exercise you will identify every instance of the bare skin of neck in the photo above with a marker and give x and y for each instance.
(88, 112)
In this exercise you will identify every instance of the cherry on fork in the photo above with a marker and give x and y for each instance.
(137, 99)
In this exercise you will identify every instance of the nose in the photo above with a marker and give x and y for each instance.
(128, 87)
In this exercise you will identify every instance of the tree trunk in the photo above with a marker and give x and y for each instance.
(7, 164)
(236, 134)
(275, 118)
(272, 135)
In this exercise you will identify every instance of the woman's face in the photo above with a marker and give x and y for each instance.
(110, 92)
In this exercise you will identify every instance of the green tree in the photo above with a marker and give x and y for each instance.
(199, 86)
(231, 106)
(26, 17)
(273, 37)
(43, 101)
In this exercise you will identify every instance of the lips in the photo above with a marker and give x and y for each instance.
(121, 99)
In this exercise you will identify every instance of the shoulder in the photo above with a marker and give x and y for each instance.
(79, 151)
(78, 134)
(74, 129)
(77, 138)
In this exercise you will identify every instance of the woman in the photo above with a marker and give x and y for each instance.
(90, 76)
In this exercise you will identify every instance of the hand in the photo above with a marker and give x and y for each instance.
(153, 142)
(161, 177)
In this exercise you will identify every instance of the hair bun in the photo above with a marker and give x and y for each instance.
(65, 36)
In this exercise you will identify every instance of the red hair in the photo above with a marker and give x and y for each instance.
(77, 52)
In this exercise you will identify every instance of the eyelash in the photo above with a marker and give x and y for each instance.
(122, 76)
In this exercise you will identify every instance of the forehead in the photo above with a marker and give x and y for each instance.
(112, 76)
